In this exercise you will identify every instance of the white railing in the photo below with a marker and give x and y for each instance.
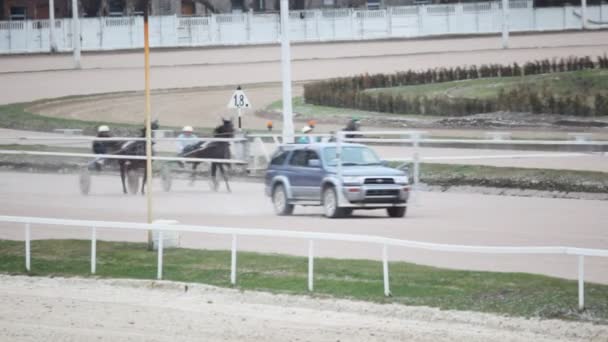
(310, 25)
(310, 236)
(404, 138)
(116, 156)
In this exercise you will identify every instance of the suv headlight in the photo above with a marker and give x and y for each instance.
(352, 180)
(401, 180)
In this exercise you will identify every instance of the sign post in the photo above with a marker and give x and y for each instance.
(238, 101)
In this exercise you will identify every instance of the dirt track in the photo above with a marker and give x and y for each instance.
(125, 310)
(468, 219)
(112, 72)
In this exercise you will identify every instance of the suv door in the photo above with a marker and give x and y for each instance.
(295, 164)
(305, 180)
(313, 176)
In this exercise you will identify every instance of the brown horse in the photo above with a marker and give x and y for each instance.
(128, 167)
(214, 150)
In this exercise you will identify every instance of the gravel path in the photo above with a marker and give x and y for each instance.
(58, 309)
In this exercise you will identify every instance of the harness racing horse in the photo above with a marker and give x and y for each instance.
(213, 150)
(129, 167)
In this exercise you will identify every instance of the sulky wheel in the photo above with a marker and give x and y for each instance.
(132, 181)
(166, 177)
(84, 180)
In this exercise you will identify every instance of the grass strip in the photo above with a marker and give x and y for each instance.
(513, 177)
(515, 294)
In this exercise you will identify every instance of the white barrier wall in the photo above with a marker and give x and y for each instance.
(109, 33)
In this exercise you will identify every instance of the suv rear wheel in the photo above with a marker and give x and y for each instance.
(330, 203)
(396, 211)
(280, 202)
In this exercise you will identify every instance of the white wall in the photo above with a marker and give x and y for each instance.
(311, 25)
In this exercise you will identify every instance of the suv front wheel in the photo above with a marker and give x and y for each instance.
(280, 202)
(330, 204)
(396, 211)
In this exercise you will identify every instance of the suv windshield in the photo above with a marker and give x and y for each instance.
(351, 155)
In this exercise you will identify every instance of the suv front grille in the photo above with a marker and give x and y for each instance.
(379, 180)
(382, 192)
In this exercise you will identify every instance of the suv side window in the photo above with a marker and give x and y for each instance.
(279, 159)
(311, 155)
(301, 157)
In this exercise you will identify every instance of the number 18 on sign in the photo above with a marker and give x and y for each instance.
(239, 102)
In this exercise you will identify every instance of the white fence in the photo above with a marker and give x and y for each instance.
(304, 235)
(109, 33)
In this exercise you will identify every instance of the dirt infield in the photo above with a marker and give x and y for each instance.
(127, 310)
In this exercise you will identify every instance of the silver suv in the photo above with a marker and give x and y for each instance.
(308, 175)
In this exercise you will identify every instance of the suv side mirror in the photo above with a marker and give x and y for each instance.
(384, 163)
(314, 162)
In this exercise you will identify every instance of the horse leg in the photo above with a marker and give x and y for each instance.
(193, 174)
(214, 184)
(225, 177)
(122, 177)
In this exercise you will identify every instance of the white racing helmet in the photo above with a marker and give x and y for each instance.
(103, 128)
(187, 129)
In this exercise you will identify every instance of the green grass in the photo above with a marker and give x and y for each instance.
(516, 294)
(513, 177)
(586, 83)
(16, 116)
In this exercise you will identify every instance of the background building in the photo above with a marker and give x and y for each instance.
(39, 9)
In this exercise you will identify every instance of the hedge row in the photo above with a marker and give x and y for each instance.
(521, 99)
(348, 92)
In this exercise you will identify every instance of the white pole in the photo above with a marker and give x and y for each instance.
(233, 261)
(584, 13)
(311, 261)
(53, 41)
(288, 131)
(159, 272)
(581, 282)
(387, 290)
(76, 34)
(239, 118)
(416, 137)
(339, 137)
(93, 249)
(27, 247)
(505, 24)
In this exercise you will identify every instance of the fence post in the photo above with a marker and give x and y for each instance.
(389, 21)
(505, 24)
(27, 247)
(584, 14)
(420, 9)
(159, 272)
(310, 264)
(318, 14)
(387, 290)
(93, 249)
(248, 23)
(233, 261)
(581, 282)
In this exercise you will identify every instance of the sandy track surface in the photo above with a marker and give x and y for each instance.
(75, 309)
(468, 219)
(307, 51)
(247, 65)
